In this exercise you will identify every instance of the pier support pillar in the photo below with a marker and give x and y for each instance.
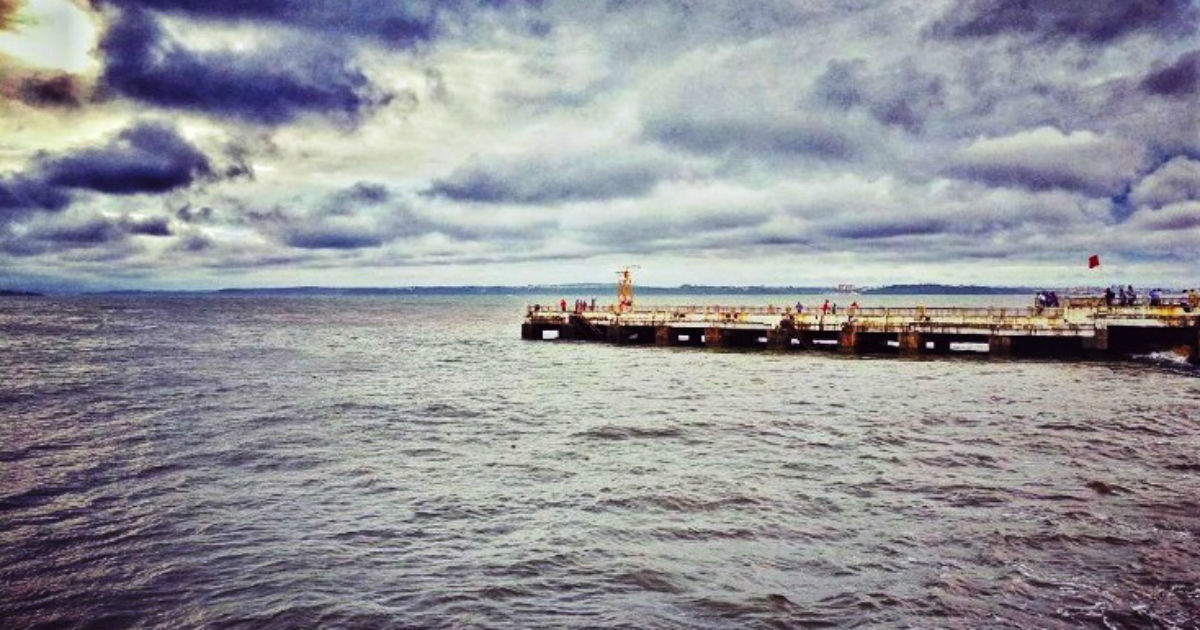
(713, 337)
(848, 339)
(1099, 343)
(911, 343)
(779, 339)
(1000, 346)
(614, 333)
(529, 332)
(662, 336)
(566, 331)
(1194, 359)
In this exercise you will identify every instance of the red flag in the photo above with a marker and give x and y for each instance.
(1093, 261)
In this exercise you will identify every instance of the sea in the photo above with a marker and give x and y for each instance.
(363, 462)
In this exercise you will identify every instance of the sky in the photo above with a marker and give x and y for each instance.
(194, 144)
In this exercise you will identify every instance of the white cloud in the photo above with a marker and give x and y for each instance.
(52, 35)
(1177, 180)
(1046, 158)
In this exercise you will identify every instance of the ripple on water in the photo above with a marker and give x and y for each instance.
(370, 463)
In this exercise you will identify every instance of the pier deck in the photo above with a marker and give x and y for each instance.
(1081, 328)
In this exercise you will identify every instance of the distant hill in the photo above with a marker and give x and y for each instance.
(946, 289)
(581, 289)
(11, 293)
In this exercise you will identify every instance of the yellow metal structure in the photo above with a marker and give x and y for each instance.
(624, 290)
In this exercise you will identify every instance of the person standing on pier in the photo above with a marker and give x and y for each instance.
(562, 305)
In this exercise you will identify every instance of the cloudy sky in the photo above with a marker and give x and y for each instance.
(210, 143)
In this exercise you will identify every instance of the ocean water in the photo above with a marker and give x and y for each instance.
(210, 462)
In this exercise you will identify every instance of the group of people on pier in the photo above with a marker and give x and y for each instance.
(1122, 297)
(1126, 296)
(828, 308)
(579, 307)
(1046, 299)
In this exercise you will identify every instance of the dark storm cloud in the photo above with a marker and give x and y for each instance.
(547, 180)
(649, 231)
(153, 226)
(1030, 177)
(346, 200)
(403, 24)
(750, 136)
(1177, 180)
(149, 157)
(356, 217)
(1171, 219)
(91, 231)
(270, 85)
(305, 237)
(399, 23)
(20, 195)
(1092, 21)
(1179, 79)
(901, 96)
(189, 214)
(368, 215)
(1045, 159)
(193, 243)
(88, 231)
(62, 90)
(888, 227)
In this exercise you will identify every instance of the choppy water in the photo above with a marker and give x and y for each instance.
(390, 463)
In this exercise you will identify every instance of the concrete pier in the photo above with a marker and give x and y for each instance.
(1080, 328)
